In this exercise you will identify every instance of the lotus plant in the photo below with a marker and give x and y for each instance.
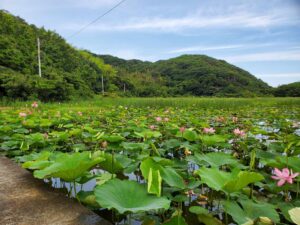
(209, 130)
(22, 114)
(284, 176)
(152, 127)
(239, 133)
(182, 129)
(158, 119)
(34, 105)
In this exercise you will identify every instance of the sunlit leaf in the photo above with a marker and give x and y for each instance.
(128, 196)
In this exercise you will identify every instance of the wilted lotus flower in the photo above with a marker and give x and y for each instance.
(104, 144)
(234, 119)
(46, 135)
(284, 176)
(238, 132)
(220, 119)
(158, 119)
(22, 114)
(34, 105)
(209, 130)
(182, 129)
(152, 127)
(296, 124)
(187, 152)
(190, 193)
(166, 119)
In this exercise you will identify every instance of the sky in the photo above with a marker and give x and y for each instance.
(260, 36)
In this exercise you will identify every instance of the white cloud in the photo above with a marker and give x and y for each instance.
(282, 75)
(233, 19)
(92, 4)
(276, 79)
(204, 48)
(265, 56)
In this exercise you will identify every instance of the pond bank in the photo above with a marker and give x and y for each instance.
(26, 200)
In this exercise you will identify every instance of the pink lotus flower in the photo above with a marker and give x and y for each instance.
(79, 113)
(166, 119)
(22, 114)
(284, 176)
(238, 132)
(34, 105)
(182, 129)
(152, 127)
(158, 119)
(209, 130)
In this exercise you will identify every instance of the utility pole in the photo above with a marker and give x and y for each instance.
(39, 56)
(102, 83)
(124, 87)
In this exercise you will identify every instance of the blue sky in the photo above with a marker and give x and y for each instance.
(260, 36)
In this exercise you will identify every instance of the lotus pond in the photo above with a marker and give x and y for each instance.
(165, 161)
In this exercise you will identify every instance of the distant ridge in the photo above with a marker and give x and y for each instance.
(71, 73)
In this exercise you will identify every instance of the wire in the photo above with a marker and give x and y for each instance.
(95, 20)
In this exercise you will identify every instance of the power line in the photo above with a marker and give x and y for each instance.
(95, 20)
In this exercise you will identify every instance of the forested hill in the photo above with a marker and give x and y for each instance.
(69, 73)
(197, 75)
(66, 72)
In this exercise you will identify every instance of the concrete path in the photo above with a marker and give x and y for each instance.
(25, 200)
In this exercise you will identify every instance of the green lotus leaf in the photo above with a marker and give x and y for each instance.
(214, 159)
(204, 216)
(284, 208)
(148, 134)
(213, 139)
(104, 177)
(168, 174)
(134, 146)
(69, 166)
(113, 138)
(88, 198)
(154, 182)
(39, 161)
(295, 215)
(176, 220)
(172, 178)
(213, 177)
(111, 163)
(128, 196)
(228, 182)
(250, 211)
(190, 135)
(242, 180)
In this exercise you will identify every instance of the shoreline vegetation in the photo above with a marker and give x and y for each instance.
(157, 102)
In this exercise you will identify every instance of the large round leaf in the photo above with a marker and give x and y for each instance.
(69, 166)
(128, 196)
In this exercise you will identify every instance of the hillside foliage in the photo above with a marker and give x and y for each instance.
(69, 73)
(291, 90)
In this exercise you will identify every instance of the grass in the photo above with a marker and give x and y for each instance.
(204, 103)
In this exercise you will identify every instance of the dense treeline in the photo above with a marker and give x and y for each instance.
(70, 73)
(288, 90)
(197, 75)
(66, 72)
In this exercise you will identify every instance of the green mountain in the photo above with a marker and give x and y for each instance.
(288, 90)
(70, 73)
(197, 75)
(66, 72)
